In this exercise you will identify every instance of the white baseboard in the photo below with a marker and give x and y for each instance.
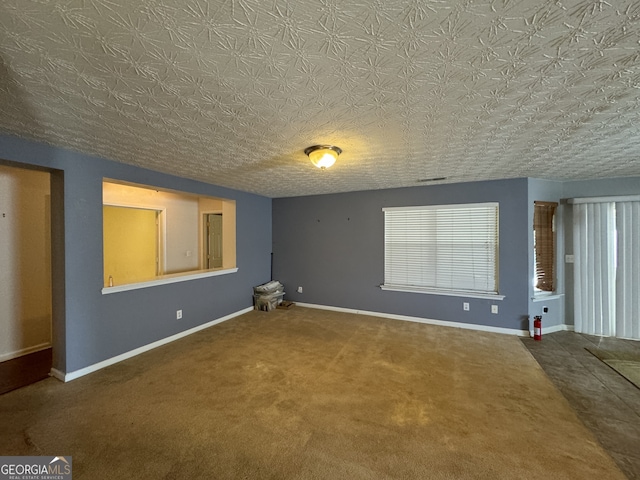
(55, 373)
(554, 329)
(442, 323)
(25, 351)
(67, 377)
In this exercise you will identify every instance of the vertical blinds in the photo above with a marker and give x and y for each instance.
(444, 247)
(628, 270)
(545, 248)
(606, 246)
(594, 268)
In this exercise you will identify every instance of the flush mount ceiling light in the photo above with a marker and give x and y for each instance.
(323, 156)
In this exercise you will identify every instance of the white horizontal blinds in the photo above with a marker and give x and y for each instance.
(409, 256)
(448, 247)
(594, 268)
(628, 270)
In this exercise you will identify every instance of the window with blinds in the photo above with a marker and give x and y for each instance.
(449, 249)
(544, 238)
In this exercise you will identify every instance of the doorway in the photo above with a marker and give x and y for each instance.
(25, 276)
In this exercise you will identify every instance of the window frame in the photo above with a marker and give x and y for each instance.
(415, 257)
(545, 245)
(127, 198)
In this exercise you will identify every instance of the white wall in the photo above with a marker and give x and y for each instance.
(549, 191)
(25, 262)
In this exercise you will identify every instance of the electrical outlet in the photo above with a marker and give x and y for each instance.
(465, 306)
(178, 314)
(494, 308)
(299, 289)
(545, 309)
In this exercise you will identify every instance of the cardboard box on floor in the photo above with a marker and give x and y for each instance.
(286, 304)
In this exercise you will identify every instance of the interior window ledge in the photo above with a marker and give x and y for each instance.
(541, 297)
(166, 279)
(450, 293)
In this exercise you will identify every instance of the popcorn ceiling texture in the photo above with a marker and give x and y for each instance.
(231, 91)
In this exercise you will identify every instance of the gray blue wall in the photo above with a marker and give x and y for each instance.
(333, 246)
(90, 327)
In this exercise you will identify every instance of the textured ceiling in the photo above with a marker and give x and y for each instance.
(232, 91)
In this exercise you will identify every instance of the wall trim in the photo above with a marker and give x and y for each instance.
(55, 373)
(444, 292)
(25, 351)
(557, 328)
(545, 297)
(429, 321)
(553, 329)
(169, 278)
(621, 198)
(67, 377)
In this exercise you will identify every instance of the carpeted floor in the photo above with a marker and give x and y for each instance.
(311, 394)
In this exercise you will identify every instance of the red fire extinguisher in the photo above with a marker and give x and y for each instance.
(537, 327)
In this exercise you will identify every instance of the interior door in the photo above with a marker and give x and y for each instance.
(213, 240)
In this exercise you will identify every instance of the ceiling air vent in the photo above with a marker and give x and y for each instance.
(435, 179)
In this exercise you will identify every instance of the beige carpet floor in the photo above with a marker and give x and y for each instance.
(311, 394)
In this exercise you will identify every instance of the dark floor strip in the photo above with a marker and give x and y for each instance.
(25, 370)
(606, 402)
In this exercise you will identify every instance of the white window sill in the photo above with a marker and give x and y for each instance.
(166, 279)
(450, 293)
(542, 297)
